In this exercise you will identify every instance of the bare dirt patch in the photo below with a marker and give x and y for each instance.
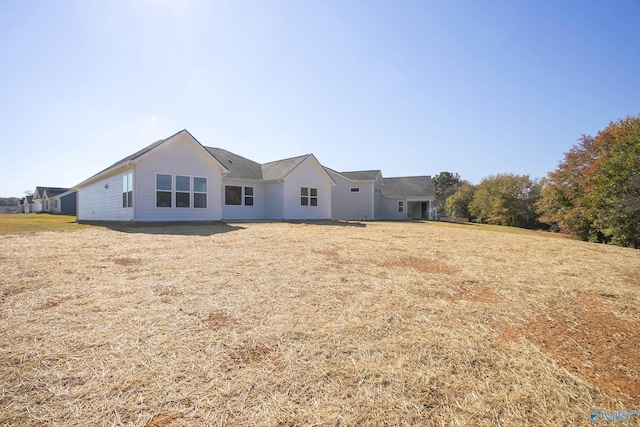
(423, 265)
(589, 340)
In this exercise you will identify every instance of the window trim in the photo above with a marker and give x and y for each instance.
(401, 206)
(127, 193)
(170, 191)
(309, 196)
(203, 193)
(182, 192)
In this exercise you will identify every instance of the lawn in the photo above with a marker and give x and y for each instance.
(314, 324)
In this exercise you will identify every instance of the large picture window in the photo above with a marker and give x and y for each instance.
(232, 195)
(127, 190)
(163, 191)
(199, 192)
(308, 196)
(183, 191)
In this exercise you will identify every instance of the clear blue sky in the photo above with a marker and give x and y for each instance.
(408, 87)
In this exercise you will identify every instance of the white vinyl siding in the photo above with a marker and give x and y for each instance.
(102, 201)
(273, 200)
(178, 157)
(308, 174)
(348, 204)
(253, 190)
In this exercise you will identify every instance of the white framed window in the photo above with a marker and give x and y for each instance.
(183, 191)
(127, 190)
(308, 196)
(248, 196)
(199, 192)
(164, 191)
(234, 195)
(355, 189)
(400, 206)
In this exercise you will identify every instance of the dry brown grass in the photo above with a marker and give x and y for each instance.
(315, 324)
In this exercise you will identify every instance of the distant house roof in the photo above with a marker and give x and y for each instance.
(54, 191)
(409, 186)
(51, 191)
(370, 175)
(239, 167)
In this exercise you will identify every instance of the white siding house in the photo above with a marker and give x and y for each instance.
(178, 179)
(175, 179)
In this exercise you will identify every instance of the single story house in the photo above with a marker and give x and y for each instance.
(179, 179)
(53, 200)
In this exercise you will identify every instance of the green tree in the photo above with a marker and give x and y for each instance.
(506, 199)
(446, 184)
(457, 204)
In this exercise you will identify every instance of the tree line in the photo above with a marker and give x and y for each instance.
(594, 193)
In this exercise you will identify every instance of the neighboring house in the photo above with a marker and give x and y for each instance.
(63, 203)
(26, 204)
(179, 179)
(43, 196)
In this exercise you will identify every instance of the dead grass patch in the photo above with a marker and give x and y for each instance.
(314, 324)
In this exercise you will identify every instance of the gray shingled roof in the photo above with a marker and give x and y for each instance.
(361, 175)
(51, 191)
(281, 168)
(239, 167)
(409, 186)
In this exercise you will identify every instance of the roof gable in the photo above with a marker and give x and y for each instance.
(281, 168)
(138, 154)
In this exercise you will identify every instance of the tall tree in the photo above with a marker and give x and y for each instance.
(457, 205)
(506, 199)
(594, 193)
(446, 184)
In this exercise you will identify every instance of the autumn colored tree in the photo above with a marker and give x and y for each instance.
(506, 199)
(457, 205)
(594, 193)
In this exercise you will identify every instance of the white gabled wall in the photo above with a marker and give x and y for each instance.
(178, 156)
(349, 205)
(102, 201)
(307, 174)
(231, 212)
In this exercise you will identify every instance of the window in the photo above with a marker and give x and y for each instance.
(248, 196)
(163, 191)
(199, 192)
(183, 191)
(355, 189)
(308, 196)
(400, 206)
(232, 195)
(127, 190)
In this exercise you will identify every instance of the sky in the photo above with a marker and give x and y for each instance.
(414, 87)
